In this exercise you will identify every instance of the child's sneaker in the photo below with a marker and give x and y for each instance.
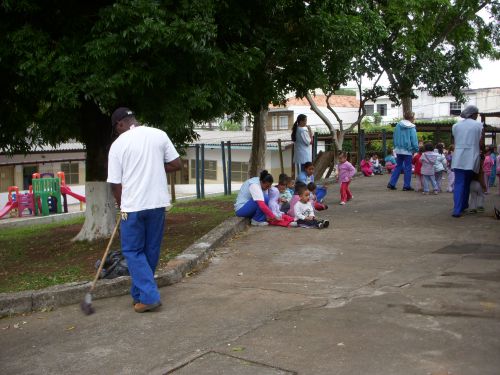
(326, 223)
(342, 203)
(425, 193)
(480, 209)
(256, 223)
(293, 224)
(320, 225)
(472, 211)
(436, 192)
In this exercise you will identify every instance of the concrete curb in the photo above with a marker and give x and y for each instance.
(36, 220)
(67, 294)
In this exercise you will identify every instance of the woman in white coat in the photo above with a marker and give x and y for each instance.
(302, 139)
(466, 158)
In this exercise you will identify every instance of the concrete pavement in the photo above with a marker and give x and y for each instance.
(397, 286)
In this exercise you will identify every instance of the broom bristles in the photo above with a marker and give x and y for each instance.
(86, 305)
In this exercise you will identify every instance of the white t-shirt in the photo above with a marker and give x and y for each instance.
(303, 210)
(136, 161)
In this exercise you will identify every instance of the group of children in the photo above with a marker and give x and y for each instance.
(371, 166)
(430, 163)
(294, 203)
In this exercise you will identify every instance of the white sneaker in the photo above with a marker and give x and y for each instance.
(293, 224)
(256, 223)
(342, 203)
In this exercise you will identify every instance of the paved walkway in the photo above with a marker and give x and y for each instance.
(397, 286)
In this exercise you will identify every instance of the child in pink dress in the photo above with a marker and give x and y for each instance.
(366, 167)
(345, 175)
(282, 219)
(498, 169)
(487, 167)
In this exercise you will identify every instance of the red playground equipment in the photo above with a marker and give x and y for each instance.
(66, 190)
(19, 202)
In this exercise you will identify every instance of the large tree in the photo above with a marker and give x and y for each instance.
(267, 37)
(433, 44)
(65, 65)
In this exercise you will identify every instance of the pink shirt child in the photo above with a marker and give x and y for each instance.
(366, 168)
(346, 171)
(488, 164)
(428, 159)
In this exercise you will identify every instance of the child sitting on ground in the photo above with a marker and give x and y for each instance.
(304, 212)
(299, 187)
(311, 186)
(390, 161)
(307, 176)
(376, 166)
(285, 194)
(282, 219)
(346, 173)
(366, 167)
(428, 159)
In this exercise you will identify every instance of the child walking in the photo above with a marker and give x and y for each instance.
(417, 167)
(345, 175)
(451, 174)
(487, 168)
(428, 159)
(439, 165)
(304, 213)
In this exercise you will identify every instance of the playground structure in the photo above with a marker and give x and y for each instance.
(45, 195)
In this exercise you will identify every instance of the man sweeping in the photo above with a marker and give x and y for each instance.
(138, 162)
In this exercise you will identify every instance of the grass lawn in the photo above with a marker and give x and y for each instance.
(39, 256)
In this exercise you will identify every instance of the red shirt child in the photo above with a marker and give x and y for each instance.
(417, 163)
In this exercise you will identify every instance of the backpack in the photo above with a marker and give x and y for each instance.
(115, 265)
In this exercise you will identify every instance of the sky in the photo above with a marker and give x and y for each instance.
(488, 76)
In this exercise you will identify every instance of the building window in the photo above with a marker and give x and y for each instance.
(455, 109)
(369, 109)
(210, 169)
(71, 173)
(283, 122)
(382, 109)
(239, 171)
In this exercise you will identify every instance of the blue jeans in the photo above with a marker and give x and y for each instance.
(141, 236)
(402, 161)
(252, 210)
(320, 193)
(432, 180)
(461, 190)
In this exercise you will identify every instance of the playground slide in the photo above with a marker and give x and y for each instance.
(68, 191)
(9, 206)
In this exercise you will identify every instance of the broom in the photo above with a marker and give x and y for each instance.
(86, 304)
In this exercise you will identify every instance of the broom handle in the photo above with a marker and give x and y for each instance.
(105, 254)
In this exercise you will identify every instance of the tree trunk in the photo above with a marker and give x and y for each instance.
(407, 106)
(100, 211)
(257, 158)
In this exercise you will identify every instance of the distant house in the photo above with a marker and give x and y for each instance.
(283, 117)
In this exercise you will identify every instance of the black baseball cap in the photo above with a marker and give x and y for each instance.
(119, 114)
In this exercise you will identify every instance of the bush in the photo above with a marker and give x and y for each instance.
(229, 126)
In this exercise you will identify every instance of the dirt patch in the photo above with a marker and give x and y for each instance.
(49, 257)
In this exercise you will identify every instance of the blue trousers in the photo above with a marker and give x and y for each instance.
(461, 190)
(141, 236)
(403, 162)
(320, 193)
(252, 210)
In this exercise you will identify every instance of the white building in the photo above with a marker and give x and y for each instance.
(428, 107)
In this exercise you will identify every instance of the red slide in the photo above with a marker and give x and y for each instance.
(9, 206)
(66, 190)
